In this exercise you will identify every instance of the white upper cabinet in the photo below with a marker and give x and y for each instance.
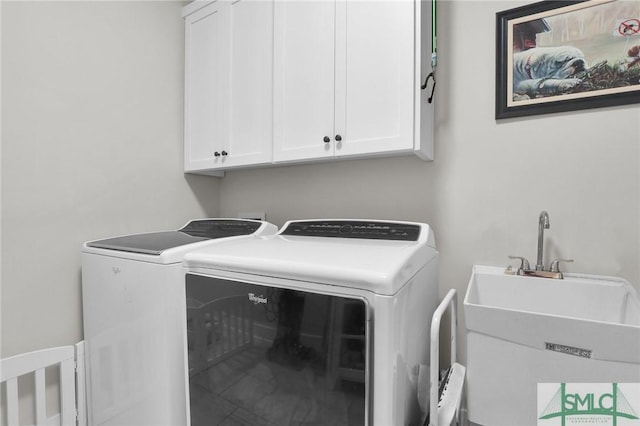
(346, 79)
(304, 80)
(250, 83)
(204, 106)
(228, 85)
(375, 73)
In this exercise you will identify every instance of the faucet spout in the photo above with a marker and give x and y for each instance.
(543, 223)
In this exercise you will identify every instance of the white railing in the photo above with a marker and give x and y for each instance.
(444, 407)
(70, 384)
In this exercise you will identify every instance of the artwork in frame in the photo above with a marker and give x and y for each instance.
(555, 56)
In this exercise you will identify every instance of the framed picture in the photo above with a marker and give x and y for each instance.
(556, 56)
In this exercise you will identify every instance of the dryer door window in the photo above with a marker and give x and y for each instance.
(263, 355)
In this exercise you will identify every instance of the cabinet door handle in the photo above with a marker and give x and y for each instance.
(326, 139)
(216, 154)
(431, 76)
(338, 138)
(224, 153)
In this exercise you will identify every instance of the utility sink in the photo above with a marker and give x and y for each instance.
(525, 330)
(585, 297)
(597, 313)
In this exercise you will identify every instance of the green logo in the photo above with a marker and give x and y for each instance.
(565, 404)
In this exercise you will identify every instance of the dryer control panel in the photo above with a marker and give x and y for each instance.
(354, 229)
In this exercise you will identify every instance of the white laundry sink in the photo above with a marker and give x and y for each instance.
(588, 297)
(524, 330)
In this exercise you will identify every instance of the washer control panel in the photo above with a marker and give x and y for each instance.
(354, 229)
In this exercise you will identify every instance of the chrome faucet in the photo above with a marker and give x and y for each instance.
(543, 223)
(539, 271)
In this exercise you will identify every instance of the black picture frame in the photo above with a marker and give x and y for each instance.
(522, 88)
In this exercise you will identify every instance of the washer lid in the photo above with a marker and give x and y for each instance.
(380, 265)
(154, 243)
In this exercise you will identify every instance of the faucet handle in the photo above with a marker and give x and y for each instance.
(554, 265)
(524, 263)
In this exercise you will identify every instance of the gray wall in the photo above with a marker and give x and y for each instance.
(490, 180)
(91, 147)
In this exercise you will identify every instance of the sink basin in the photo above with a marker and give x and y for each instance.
(580, 309)
(525, 330)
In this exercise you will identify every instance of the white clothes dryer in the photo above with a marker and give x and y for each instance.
(132, 291)
(325, 323)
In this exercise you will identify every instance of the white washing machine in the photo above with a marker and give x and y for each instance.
(325, 323)
(133, 296)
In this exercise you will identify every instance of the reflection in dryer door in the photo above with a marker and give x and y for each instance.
(271, 356)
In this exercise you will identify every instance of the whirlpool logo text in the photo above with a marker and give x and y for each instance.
(257, 299)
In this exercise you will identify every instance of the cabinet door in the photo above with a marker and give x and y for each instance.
(205, 43)
(250, 83)
(303, 79)
(375, 85)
